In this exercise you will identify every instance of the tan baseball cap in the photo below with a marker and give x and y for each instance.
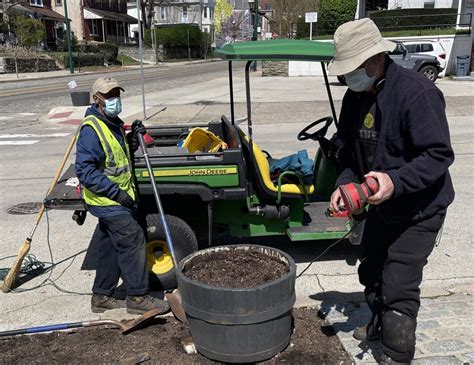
(103, 85)
(354, 43)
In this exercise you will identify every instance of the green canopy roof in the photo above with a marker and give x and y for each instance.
(277, 49)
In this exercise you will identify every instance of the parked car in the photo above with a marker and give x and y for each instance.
(430, 48)
(427, 65)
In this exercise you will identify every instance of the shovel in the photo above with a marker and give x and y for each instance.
(125, 327)
(173, 297)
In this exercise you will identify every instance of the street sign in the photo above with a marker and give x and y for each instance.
(311, 17)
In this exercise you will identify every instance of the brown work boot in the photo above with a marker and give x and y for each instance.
(101, 303)
(144, 303)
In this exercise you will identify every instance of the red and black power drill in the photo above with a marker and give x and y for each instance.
(355, 195)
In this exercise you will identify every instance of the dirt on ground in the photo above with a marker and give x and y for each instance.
(235, 268)
(313, 342)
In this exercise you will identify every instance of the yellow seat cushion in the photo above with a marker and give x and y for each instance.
(264, 168)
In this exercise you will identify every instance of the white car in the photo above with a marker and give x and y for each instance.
(431, 48)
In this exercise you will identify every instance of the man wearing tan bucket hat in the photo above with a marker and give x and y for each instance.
(103, 166)
(393, 127)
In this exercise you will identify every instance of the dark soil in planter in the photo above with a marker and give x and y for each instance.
(235, 268)
(313, 342)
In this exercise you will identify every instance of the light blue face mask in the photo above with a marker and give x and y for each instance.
(358, 80)
(113, 107)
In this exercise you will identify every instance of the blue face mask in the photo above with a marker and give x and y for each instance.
(113, 107)
(358, 80)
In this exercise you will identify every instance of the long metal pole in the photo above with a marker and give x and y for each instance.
(168, 237)
(249, 123)
(231, 94)
(140, 46)
(328, 90)
(68, 37)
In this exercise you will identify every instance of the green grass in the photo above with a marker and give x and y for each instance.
(125, 60)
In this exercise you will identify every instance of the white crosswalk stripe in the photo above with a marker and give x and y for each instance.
(17, 139)
(52, 135)
(18, 143)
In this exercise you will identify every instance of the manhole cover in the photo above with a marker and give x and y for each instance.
(25, 208)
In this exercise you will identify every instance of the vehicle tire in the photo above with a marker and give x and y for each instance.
(159, 260)
(430, 72)
(342, 79)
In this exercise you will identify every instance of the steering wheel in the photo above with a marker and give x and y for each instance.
(319, 134)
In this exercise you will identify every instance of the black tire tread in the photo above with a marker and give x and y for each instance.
(175, 224)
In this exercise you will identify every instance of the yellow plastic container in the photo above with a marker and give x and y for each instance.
(203, 141)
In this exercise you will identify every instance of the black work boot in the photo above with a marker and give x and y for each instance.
(144, 303)
(101, 303)
(369, 332)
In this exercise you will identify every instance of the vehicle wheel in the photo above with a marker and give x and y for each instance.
(342, 79)
(430, 72)
(159, 260)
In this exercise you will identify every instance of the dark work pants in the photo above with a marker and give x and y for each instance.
(394, 255)
(122, 253)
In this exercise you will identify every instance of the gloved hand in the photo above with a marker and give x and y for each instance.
(138, 127)
(133, 142)
(124, 199)
(132, 137)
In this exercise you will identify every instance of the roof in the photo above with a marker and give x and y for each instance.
(91, 13)
(44, 13)
(277, 49)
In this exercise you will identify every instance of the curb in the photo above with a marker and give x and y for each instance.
(105, 70)
(46, 77)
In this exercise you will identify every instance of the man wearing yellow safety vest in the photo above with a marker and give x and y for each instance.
(103, 166)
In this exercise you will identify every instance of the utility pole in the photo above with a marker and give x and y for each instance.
(255, 31)
(255, 22)
(5, 9)
(140, 47)
(68, 37)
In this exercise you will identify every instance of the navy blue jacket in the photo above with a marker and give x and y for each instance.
(413, 147)
(90, 157)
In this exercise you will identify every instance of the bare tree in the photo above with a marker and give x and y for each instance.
(286, 13)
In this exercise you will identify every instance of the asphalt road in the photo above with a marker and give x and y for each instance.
(39, 96)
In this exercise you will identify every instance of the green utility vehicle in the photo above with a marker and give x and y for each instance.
(228, 189)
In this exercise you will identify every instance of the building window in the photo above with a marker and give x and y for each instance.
(185, 14)
(204, 11)
(94, 27)
(162, 13)
(36, 2)
(59, 2)
(429, 5)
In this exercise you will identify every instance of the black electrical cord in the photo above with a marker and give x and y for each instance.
(32, 265)
(328, 248)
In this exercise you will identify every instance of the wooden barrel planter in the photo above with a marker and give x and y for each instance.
(239, 324)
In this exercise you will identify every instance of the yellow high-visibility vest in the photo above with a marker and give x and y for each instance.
(117, 166)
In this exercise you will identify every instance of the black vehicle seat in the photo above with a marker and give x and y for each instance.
(230, 134)
(262, 168)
